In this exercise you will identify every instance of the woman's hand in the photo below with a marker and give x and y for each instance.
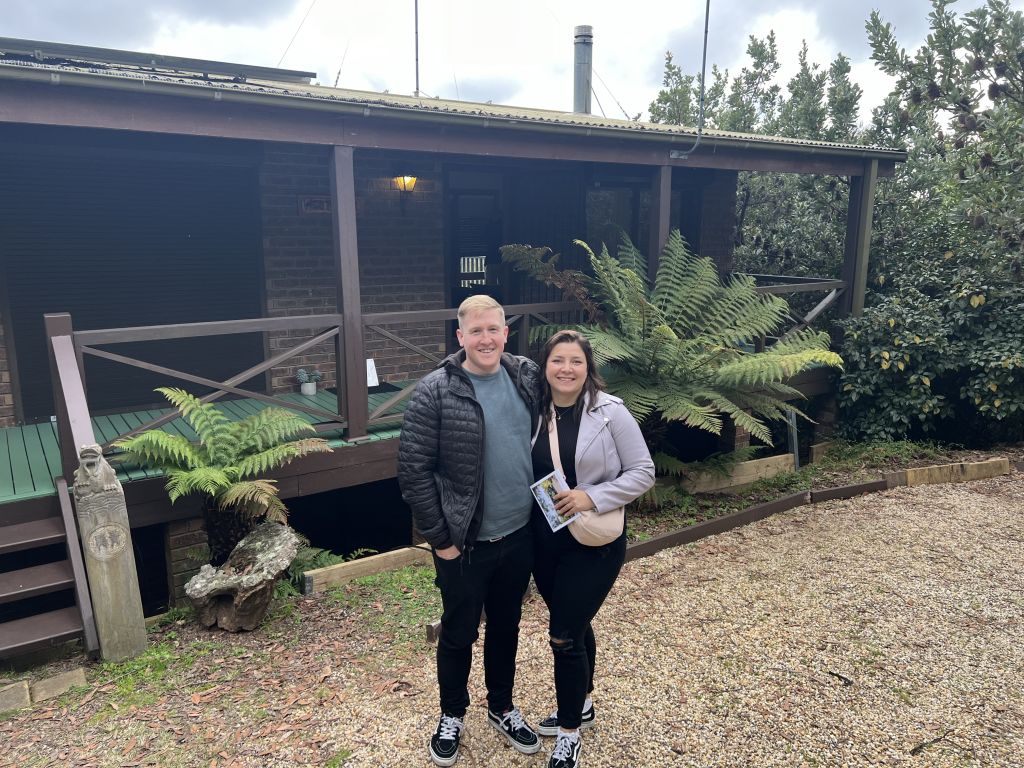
(568, 503)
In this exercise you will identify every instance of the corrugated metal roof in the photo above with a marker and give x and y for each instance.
(410, 106)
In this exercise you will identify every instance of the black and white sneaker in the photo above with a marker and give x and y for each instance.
(549, 725)
(566, 753)
(444, 744)
(516, 730)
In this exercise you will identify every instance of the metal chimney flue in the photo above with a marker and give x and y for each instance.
(583, 58)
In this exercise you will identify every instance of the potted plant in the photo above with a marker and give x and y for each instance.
(307, 380)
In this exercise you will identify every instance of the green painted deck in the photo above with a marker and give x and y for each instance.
(30, 457)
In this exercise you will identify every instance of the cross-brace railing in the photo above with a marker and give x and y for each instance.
(516, 315)
(69, 348)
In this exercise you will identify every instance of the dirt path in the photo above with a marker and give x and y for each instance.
(886, 630)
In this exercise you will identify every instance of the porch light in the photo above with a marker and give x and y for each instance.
(405, 183)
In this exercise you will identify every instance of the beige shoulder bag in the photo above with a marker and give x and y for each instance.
(589, 528)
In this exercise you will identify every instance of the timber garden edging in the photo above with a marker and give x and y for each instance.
(941, 473)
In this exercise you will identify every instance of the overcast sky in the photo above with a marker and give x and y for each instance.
(515, 52)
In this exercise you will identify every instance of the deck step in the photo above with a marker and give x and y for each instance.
(37, 580)
(37, 533)
(28, 634)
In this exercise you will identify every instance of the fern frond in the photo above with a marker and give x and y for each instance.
(630, 258)
(209, 481)
(668, 465)
(269, 427)
(685, 284)
(208, 422)
(744, 420)
(256, 497)
(160, 450)
(280, 455)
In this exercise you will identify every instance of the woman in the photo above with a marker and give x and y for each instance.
(607, 465)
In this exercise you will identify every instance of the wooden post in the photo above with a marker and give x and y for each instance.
(858, 238)
(661, 214)
(346, 251)
(109, 557)
(523, 338)
(74, 426)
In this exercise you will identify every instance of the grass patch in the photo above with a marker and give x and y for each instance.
(178, 614)
(395, 604)
(338, 760)
(141, 681)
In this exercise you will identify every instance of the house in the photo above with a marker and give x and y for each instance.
(235, 223)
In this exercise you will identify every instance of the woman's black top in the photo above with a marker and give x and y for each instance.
(568, 424)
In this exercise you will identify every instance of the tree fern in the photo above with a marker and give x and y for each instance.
(683, 350)
(227, 460)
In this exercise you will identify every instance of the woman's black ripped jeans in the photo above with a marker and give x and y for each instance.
(574, 581)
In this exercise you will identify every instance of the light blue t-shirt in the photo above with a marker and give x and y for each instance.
(508, 469)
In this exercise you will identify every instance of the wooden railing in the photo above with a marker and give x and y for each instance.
(517, 316)
(69, 348)
(786, 284)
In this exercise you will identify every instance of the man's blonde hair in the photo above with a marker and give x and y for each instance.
(479, 303)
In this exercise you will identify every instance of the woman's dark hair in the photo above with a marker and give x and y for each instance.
(593, 384)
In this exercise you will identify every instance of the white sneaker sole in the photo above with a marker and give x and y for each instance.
(442, 761)
(521, 748)
(553, 730)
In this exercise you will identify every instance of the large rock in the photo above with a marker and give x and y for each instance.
(236, 595)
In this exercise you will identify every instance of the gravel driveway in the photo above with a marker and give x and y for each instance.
(882, 631)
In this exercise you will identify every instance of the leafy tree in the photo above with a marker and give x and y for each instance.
(226, 464)
(786, 223)
(938, 350)
(968, 78)
(684, 349)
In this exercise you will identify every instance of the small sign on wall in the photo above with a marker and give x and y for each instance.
(315, 205)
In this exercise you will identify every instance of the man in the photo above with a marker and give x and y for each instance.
(464, 468)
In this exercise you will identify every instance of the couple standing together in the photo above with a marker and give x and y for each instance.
(478, 431)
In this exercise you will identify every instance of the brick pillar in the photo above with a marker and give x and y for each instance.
(732, 437)
(187, 549)
(718, 220)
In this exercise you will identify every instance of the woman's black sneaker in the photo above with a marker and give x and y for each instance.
(549, 725)
(516, 730)
(444, 744)
(566, 753)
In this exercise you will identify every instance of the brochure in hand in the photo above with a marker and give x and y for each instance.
(544, 491)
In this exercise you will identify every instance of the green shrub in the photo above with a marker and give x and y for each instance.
(950, 367)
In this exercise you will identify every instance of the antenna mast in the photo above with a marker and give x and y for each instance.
(416, 93)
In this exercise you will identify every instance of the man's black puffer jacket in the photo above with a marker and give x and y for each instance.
(440, 454)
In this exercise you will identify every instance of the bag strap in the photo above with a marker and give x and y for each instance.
(556, 456)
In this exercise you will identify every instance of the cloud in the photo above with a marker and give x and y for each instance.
(498, 90)
(128, 23)
(843, 24)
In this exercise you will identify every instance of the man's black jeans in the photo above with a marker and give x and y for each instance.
(574, 581)
(493, 576)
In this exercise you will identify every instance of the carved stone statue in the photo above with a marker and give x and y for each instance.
(237, 595)
(109, 557)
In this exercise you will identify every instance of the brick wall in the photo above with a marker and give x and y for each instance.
(6, 392)
(186, 550)
(401, 257)
(718, 219)
(400, 251)
(298, 263)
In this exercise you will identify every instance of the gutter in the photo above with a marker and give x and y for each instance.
(218, 92)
